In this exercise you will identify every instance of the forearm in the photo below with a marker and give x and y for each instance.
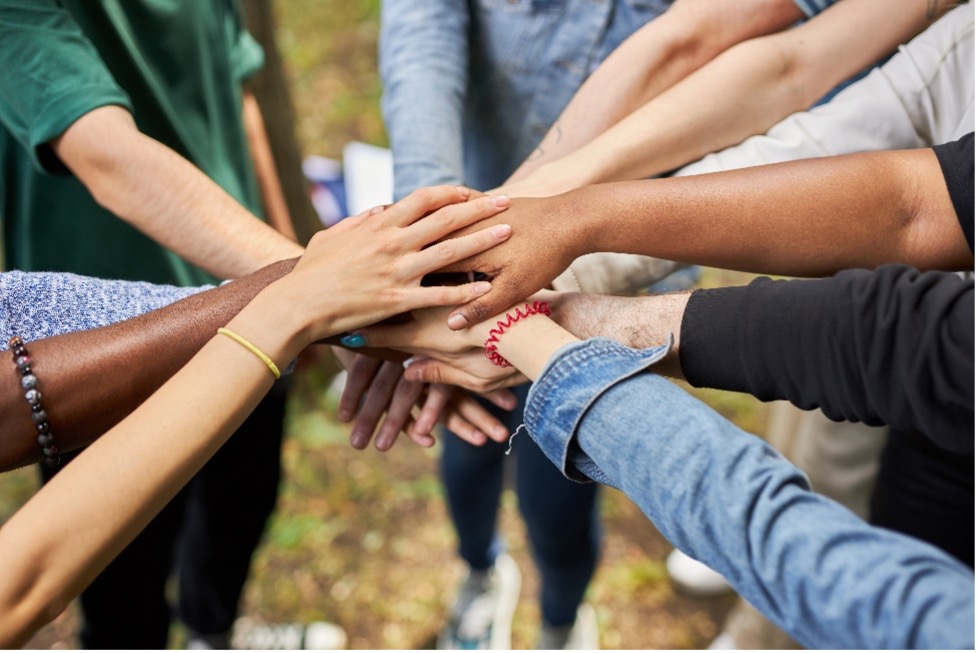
(109, 493)
(743, 92)
(891, 347)
(163, 195)
(264, 166)
(665, 51)
(131, 358)
(729, 500)
(809, 218)
(424, 67)
(637, 322)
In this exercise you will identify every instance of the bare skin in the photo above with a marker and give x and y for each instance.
(805, 218)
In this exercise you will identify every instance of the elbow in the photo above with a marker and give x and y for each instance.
(781, 74)
(100, 150)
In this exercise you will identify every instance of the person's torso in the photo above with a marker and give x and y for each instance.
(528, 58)
(173, 59)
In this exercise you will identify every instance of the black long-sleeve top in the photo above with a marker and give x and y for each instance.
(893, 346)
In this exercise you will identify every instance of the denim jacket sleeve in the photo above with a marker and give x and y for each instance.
(424, 67)
(728, 499)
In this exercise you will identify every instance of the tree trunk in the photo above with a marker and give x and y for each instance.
(270, 88)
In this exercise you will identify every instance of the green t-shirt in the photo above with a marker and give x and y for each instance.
(177, 65)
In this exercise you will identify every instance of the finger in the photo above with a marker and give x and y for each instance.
(505, 292)
(412, 334)
(405, 396)
(422, 201)
(454, 217)
(431, 412)
(448, 251)
(427, 296)
(359, 375)
(463, 429)
(376, 402)
(433, 371)
(503, 398)
(479, 417)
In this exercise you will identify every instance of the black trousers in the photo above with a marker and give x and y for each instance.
(926, 492)
(208, 532)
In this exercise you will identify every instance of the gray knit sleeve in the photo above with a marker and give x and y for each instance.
(38, 305)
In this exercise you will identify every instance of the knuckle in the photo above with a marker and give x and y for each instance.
(446, 250)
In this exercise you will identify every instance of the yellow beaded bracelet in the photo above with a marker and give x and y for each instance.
(254, 350)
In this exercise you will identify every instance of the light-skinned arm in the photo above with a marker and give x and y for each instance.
(804, 218)
(665, 51)
(166, 197)
(110, 492)
(741, 92)
(141, 352)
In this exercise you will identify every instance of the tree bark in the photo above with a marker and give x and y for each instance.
(271, 89)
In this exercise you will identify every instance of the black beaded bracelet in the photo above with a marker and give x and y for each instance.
(28, 382)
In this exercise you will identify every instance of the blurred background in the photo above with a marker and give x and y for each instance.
(362, 538)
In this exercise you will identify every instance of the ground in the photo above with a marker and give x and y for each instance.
(362, 538)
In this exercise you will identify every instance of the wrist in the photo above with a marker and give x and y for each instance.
(576, 210)
(274, 324)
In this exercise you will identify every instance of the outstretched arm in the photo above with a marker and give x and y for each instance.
(101, 501)
(807, 218)
(663, 52)
(177, 206)
(742, 92)
(729, 500)
(131, 358)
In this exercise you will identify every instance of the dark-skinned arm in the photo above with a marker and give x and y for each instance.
(804, 218)
(91, 379)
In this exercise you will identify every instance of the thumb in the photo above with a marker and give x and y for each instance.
(502, 296)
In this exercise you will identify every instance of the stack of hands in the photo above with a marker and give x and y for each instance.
(410, 373)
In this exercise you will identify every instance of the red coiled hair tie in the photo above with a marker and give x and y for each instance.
(491, 343)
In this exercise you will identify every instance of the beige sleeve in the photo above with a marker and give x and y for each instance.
(613, 274)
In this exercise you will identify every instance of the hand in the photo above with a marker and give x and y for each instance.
(370, 267)
(546, 237)
(379, 387)
(441, 355)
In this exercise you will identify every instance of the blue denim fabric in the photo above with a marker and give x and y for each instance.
(472, 86)
(731, 501)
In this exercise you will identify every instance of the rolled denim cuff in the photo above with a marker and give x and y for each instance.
(572, 381)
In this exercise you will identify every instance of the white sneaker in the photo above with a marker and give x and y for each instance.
(581, 636)
(316, 636)
(482, 614)
(694, 578)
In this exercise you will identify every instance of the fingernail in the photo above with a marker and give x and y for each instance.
(353, 340)
(377, 209)
(344, 415)
(500, 201)
(407, 363)
(501, 230)
(480, 288)
(457, 321)
(501, 432)
(357, 440)
(412, 374)
(465, 191)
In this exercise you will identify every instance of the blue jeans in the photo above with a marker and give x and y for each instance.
(728, 499)
(561, 516)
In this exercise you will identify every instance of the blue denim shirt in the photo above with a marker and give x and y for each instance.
(728, 499)
(472, 86)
